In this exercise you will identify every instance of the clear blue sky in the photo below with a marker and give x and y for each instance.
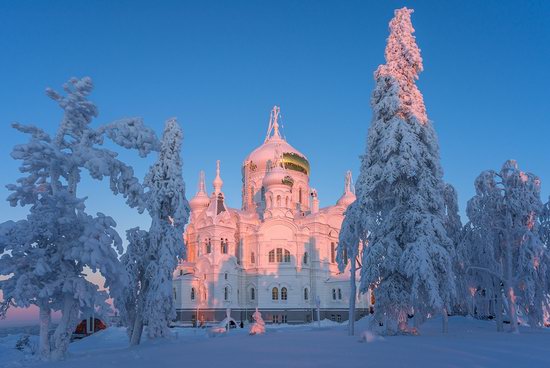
(220, 67)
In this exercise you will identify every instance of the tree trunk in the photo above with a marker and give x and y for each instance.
(44, 343)
(498, 309)
(352, 297)
(65, 328)
(445, 319)
(137, 331)
(509, 289)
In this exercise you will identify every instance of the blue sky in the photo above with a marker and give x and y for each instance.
(220, 67)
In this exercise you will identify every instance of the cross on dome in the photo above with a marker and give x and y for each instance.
(273, 128)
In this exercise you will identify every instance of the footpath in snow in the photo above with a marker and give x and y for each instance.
(469, 343)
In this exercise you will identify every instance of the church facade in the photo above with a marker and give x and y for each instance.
(277, 253)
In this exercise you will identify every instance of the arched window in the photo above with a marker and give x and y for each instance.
(275, 294)
(252, 294)
(225, 276)
(339, 294)
(306, 294)
(252, 258)
(278, 201)
(226, 293)
(333, 294)
(284, 294)
(300, 195)
(286, 202)
(221, 206)
(192, 293)
(279, 255)
(270, 201)
(305, 258)
(332, 252)
(224, 246)
(208, 246)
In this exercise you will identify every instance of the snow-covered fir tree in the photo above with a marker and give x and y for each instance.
(258, 327)
(505, 252)
(48, 252)
(169, 211)
(400, 193)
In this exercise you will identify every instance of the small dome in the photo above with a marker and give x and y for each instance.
(199, 201)
(346, 199)
(275, 177)
(262, 156)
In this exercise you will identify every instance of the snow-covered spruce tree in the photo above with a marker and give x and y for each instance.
(348, 252)
(400, 193)
(505, 248)
(169, 211)
(454, 228)
(61, 239)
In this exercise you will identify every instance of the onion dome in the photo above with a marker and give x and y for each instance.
(218, 182)
(275, 177)
(200, 200)
(349, 196)
(261, 159)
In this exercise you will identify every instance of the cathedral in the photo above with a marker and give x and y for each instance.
(277, 253)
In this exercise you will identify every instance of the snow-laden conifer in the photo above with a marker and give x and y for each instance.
(400, 193)
(169, 210)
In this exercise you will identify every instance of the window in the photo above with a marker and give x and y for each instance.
(252, 294)
(286, 202)
(220, 206)
(333, 294)
(306, 294)
(305, 258)
(280, 255)
(192, 293)
(226, 293)
(284, 293)
(252, 194)
(332, 317)
(181, 272)
(300, 195)
(223, 246)
(278, 201)
(252, 258)
(332, 252)
(225, 275)
(175, 294)
(208, 246)
(275, 318)
(275, 294)
(339, 294)
(287, 256)
(338, 318)
(284, 318)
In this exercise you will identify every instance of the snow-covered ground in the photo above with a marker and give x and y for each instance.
(470, 343)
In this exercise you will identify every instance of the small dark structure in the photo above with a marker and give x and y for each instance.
(88, 326)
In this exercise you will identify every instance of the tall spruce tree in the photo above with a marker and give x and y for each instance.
(400, 193)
